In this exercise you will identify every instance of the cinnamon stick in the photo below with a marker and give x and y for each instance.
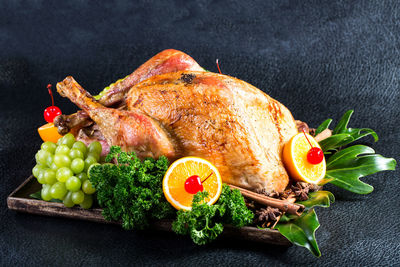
(323, 135)
(291, 198)
(283, 205)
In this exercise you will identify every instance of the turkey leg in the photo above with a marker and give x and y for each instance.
(131, 130)
(169, 60)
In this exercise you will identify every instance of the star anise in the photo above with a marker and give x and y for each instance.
(272, 193)
(301, 190)
(268, 214)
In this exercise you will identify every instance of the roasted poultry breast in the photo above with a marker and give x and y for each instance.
(189, 112)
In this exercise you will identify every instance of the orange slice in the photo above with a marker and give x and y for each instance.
(296, 163)
(177, 174)
(48, 132)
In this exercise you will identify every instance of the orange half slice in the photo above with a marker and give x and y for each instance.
(176, 175)
(296, 163)
(48, 132)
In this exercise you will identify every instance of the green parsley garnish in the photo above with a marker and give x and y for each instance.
(131, 190)
(205, 222)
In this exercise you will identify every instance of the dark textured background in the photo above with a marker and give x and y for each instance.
(319, 58)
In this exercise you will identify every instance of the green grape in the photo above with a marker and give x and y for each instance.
(49, 147)
(95, 147)
(80, 146)
(58, 190)
(77, 165)
(87, 202)
(42, 156)
(62, 149)
(50, 160)
(82, 176)
(88, 188)
(53, 166)
(76, 153)
(36, 158)
(68, 200)
(78, 197)
(37, 170)
(45, 193)
(62, 160)
(63, 174)
(49, 176)
(68, 140)
(73, 184)
(40, 178)
(88, 162)
(94, 155)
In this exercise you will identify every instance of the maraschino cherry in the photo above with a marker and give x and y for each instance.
(53, 111)
(315, 155)
(194, 184)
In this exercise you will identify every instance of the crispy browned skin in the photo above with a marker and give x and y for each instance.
(169, 60)
(220, 118)
(132, 130)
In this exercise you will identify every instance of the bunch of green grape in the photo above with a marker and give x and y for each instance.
(62, 170)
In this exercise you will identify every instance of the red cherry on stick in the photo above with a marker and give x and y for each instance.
(193, 184)
(53, 111)
(315, 155)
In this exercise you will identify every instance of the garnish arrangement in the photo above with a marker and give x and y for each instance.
(168, 142)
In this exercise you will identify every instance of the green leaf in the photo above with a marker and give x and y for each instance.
(335, 141)
(357, 133)
(342, 135)
(301, 231)
(346, 167)
(323, 126)
(318, 198)
(36, 195)
(342, 125)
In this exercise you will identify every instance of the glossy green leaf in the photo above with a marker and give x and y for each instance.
(343, 122)
(335, 141)
(301, 231)
(36, 195)
(347, 166)
(323, 126)
(339, 140)
(342, 135)
(318, 199)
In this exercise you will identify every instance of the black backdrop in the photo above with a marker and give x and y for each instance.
(319, 58)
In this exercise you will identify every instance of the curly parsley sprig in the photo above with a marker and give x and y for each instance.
(204, 222)
(131, 190)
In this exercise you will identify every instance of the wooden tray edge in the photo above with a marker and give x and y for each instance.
(39, 207)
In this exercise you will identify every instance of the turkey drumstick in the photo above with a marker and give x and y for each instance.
(132, 130)
(169, 60)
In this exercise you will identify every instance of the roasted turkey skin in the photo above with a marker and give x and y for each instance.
(169, 60)
(225, 120)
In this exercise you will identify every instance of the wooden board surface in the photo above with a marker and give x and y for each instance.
(20, 201)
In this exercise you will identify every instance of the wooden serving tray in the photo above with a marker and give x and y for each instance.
(19, 200)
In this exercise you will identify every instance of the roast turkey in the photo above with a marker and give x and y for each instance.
(196, 113)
